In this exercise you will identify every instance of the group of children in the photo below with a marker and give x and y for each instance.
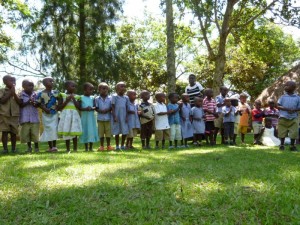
(193, 117)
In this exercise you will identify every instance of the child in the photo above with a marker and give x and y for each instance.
(133, 118)
(146, 113)
(209, 107)
(119, 111)
(88, 120)
(69, 125)
(288, 105)
(9, 113)
(229, 114)
(257, 118)
(162, 127)
(103, 107)
(235, 103)
(273, 113)
(195, 89)
(197, 118)
(29, 117)
(219, 121)
(47, 100)
(267, 134)
(174, 120)
(186, 125)
(245, 111)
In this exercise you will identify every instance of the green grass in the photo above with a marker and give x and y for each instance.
(207, 185)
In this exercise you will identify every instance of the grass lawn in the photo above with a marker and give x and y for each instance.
(207, 185)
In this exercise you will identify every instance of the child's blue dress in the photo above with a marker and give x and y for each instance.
(186, 125)
(88, 121)
(198, 120)
(120, 103)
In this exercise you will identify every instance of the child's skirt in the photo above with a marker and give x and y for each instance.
(50, 122)
(69, 125)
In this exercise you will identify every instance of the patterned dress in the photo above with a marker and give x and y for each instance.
(88, 121)
(69, 125)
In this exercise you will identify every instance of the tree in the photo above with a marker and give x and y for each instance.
(227, 17)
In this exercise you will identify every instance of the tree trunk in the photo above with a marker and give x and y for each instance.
(171, 71)
(82, 43)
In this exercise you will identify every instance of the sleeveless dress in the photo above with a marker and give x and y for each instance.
(69, 125)
(268, 138)
(88, 121)
(186, 126)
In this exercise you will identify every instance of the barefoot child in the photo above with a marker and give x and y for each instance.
(133, 118)
(29, 117)
(197, 118)
(146, 113)
(47, 100)
(88, 120)
(103, 107)
(69, 125)
(119, 111)
(9, 113)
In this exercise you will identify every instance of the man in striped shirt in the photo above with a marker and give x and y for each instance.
(195, 89)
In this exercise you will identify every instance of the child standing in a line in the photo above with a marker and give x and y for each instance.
(120, 118)
(146, 113)
(229, 114)
(245, 111)
(257, 118)
(198, 123)
(273, 113)
(103, 107)
(69, 125)
(133, 118)
(288, 105)
(209, 106)
(186, 125)
(47, 100)
(162, 127)
(9, 113)
(88, 120)
(29, 117)
(174, 120)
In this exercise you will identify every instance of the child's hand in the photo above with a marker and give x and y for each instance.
(170, 111)
(46, 110)
(115, 119)
(183, 119)
(216, 115)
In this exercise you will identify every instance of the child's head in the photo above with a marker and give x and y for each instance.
(224, 90)
(173, 98)
(145, 95)
(185, 97)
(70, 86)
(9, 81)
(257, 104)
(271, 103)
(48, 82)
(268, 122)
(198, 101)
(88, 89)
(27, 86)
(290, 87)
(121, 88)
(160, 97)
(131, 95)
(209, 93)
(192, 79)
(103, 89)
(227, 102)
(243, 97)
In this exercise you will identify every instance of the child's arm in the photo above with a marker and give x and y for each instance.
(10, 93)
(61, 103)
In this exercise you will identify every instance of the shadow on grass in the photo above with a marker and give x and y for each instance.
(199, 186)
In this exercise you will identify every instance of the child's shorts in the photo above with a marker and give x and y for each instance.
(9, 124)
(175, 132)
(257, 126)
(288, 128)
(243, 129)
(162, 135)
(30, 132)
(132, 132)
(104, 129)
(209, 127)
(219, 121)
(236, 128)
